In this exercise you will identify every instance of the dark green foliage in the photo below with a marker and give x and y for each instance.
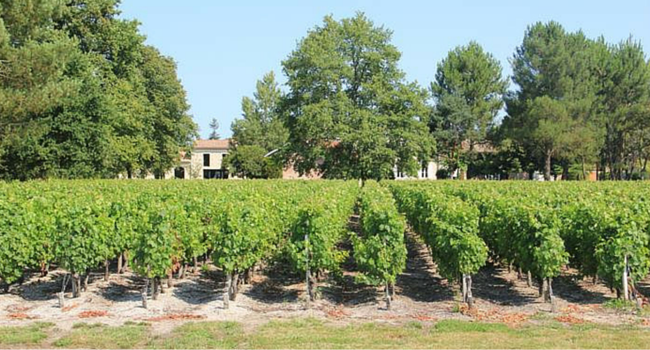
(350, 112)
(380, 251)
(468, 91)
(82, 96)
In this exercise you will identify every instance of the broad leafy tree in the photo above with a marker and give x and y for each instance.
(260, 132)
(350, 112)
(82, 96)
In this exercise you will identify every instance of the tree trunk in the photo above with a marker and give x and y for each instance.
(529, 279)
(106, 271)
(126, 262)
(547, 166)
(195, 270)
(542, 287)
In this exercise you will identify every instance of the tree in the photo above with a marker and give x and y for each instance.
(250, 162)
(82, 96)
(624, 98)
(349, 110)
(214, 126)
(261, 124)
(556, 95)
(173, 128)
(468, 92)
(261, 131)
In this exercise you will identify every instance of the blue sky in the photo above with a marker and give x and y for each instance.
(223, 47)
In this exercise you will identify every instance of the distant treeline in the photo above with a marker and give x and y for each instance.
(82, 96)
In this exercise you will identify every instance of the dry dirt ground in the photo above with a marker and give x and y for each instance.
(275, 294)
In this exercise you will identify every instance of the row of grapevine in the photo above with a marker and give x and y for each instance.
(601, 229)
(380, 251)
(320, 225)
(158, 228)
(450, 227)
(82, 225)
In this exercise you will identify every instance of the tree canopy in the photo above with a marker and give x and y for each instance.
(82, 96)
(578, 100)
(349, 110)
(261, 131)
(467, 92)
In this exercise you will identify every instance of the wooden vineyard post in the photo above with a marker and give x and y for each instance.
(464, 284)
(470, 298)
(310, 293)
(119, 263)
(234, 286)
(106, 272)
(145, 289)
(388, 297)
(625, 287)
(226, 293)
(156, 288)
(551, 297)
(62, 294)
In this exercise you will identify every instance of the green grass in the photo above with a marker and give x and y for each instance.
(99, 336)
(620, 305)
(203, 335)
(27, 335)
(313, 333)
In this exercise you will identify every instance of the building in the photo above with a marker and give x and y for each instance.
(204, 162)
(427, 172)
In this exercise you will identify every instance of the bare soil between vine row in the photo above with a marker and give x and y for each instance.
(422, 295)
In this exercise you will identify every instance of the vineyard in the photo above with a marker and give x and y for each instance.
(162, 230)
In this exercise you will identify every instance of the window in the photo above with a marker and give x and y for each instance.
(424, 172)
(206, 159)
(179, 173)
(215, 174)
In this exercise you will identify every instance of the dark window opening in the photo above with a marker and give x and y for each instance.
(215, 174)
(179, 173)
(206, 159)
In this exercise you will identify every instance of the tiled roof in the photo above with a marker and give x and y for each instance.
(211, 144)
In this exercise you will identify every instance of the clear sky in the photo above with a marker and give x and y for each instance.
(223, 47)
